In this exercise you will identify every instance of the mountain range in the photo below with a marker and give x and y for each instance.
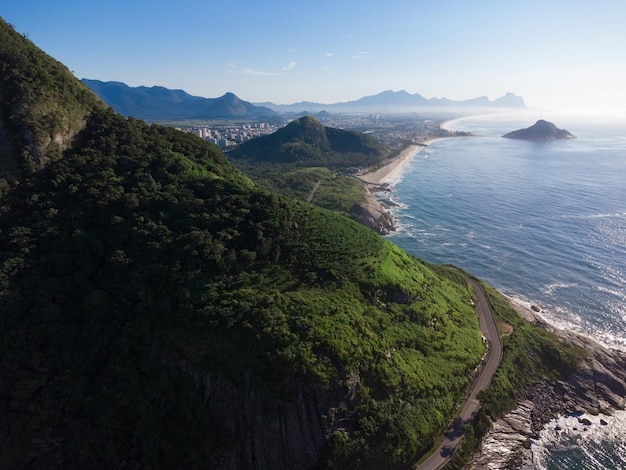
(159, 103)
(401, 101)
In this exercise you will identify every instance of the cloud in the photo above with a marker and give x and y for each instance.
(259, 73)
(330, 54)
(359, 55)
(249, 71)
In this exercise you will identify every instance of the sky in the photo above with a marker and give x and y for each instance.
(563, 54)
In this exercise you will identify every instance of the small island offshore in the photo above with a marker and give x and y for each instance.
(541, 131)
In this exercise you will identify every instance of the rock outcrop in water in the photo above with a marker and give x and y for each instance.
(371, 213)
(541, 131)
(599, 386)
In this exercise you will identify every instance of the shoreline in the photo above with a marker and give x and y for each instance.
(598, 388)
(383, 175)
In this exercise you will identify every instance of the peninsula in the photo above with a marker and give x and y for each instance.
(541, 131)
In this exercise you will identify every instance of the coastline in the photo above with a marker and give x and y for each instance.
(385, 174)
(598, 387)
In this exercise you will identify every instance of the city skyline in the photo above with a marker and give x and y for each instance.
(558, 54)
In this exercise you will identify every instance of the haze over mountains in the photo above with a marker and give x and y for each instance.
(401, 101)
(159, 103)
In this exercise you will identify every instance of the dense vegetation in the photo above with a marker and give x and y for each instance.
(138, 264)
(137, 267)
(143, 247)
(321, 186)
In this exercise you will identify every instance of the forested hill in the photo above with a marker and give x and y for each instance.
(159, 310)
(306, 142)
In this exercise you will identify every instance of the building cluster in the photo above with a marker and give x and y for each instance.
(231, 134)
(394, 131)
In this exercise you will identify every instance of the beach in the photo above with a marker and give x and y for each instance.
(383, 175)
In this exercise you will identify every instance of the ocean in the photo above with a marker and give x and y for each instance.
(544, 223)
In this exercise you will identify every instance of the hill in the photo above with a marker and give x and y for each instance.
(541, 131)
(306, 160)
(159, 310)
(159, 103)
(306, 142)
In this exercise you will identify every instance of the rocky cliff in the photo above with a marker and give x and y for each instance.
(371, 213)
(599, 386)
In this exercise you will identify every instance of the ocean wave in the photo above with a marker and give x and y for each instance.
(614, 292)
(581, 441)
(563, 319)
(550, 288)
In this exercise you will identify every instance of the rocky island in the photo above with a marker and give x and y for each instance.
(541, 131)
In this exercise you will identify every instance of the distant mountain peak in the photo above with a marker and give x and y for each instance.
(401, 101)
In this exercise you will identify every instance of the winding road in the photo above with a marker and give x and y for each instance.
(443, 454)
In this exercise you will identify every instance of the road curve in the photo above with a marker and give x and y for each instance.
(443, 454)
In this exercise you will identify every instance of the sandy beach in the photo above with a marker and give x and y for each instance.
(386, 173)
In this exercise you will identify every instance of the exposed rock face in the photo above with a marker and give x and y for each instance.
(371, 213)
(598, 386)
(263, 433)
(541, 131)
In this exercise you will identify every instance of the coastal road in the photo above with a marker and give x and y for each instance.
(444, 453)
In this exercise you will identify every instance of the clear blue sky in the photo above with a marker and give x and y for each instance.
(554, 53)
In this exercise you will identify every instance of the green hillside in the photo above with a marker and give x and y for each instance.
(140, 269)
(141, 262)
(159, 310)
(306, 159)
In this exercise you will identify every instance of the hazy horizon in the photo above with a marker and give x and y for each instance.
(557, 55)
